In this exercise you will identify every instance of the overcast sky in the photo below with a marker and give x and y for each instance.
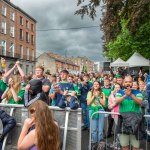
(59, 14)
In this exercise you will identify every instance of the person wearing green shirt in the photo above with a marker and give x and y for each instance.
(14, 94)
(107, 91)
(95, 102)
(3, 85)
(129, 101)
(70, 79)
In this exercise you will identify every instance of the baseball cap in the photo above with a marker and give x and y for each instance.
(118, 76)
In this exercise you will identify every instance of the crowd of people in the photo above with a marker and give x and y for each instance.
(116, 92)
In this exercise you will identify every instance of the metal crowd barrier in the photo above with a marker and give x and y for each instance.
(144, 144)
(68, 120)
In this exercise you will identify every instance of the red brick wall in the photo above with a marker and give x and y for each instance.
(9, 22)
(24, 43)
(16, 40)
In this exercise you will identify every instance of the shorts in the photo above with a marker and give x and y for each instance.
(126, 139)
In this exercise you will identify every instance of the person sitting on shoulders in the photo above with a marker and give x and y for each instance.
(69, 99)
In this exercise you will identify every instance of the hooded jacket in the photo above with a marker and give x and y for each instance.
(8, 123)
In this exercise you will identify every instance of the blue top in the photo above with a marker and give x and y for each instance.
(63, 86)
(84, 91)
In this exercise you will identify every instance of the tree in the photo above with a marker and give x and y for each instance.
(125, 24)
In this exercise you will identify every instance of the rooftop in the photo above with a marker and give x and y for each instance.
(61, 58)
(18, 8)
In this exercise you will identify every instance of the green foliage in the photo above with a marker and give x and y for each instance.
(125, 23)
(126, 44)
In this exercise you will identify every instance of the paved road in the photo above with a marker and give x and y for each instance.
(85, 142)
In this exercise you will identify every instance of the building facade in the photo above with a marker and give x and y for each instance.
(17, 36)
(55, 63)
(97, 66)
(85, 63)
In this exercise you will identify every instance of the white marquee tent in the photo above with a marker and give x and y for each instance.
(119, 63)
(137, 60)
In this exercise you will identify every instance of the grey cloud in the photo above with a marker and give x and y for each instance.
(60, 14)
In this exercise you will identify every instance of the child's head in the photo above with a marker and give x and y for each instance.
(69, 94)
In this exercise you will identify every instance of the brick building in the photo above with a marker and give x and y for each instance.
(55, 63)
(17, 36)
(84, 63)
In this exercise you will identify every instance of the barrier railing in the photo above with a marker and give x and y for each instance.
(68, 120)
(144, 144)
(5, 139)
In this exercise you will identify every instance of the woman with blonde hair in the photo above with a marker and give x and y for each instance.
(14, 94)
(45, 135)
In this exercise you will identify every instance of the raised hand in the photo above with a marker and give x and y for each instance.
(3, 62)
(65, 92)
(17, 63)
(28, 123)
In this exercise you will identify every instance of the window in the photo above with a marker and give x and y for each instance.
(21, 51)
(3, 10)
(12, 31)
(32, 39)
(21, 34)
(27, 53)
(21, 20)
(32, 55)
(27, 24)
(11, 50)
(32, 27)
(3, 27)
(3, 47)
(12, 16)
(27, 37)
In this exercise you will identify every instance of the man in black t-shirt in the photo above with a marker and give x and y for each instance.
(39, 72)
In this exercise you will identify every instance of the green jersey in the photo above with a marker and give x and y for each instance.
(128, 104)
(20, 95)
(3, 85)
(95, 105)
(107, 92)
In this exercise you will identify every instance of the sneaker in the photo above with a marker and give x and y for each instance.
(84, 128)
(117, 145)
(94, 146)
(101, 145)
